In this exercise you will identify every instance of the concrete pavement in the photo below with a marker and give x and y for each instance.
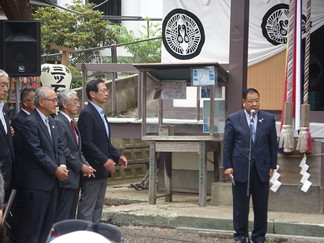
(127, 206)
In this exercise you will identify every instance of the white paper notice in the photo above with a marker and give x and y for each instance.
(274, 177)
(275, 186)
(304, 169)
(306, 186)
(305, 177)
(303, 162)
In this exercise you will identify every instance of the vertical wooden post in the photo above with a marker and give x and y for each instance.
(167, 162)
(238, 57)
(113, 98)
(202, 174)
(84, 78)
(152, 174)
(139, 95)
(65, 52)
(143, 103)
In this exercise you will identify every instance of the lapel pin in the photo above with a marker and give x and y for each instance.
(261, 119)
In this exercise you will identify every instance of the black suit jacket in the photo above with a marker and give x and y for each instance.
(96, 146)
(16, 123)
(6, 155)
(236, 145)
(43, 153)
(72, 152)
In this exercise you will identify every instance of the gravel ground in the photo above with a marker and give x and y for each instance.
(137, 234)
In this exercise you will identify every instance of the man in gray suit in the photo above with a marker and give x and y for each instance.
(69, 190)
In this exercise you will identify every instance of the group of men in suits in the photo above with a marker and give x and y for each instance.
(52, 158)
(50, 161)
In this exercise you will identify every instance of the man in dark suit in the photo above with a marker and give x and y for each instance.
(98, 151)
(27, 96)
(69, 190)
(262, 164)
(6, 143)
(44, 165)
(1, 195)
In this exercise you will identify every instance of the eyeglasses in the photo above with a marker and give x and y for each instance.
(75, 102)
(103, 90)
(53, 100)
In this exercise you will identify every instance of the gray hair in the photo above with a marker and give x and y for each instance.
(64, 95)
(3, 73)
(41, 94)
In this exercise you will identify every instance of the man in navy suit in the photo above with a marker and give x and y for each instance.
(44, 166)
(6, 143)
(27, 96)
(262, 164)
(97, 150)
(76, 163)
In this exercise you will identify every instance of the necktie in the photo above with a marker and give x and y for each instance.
(74, 132)
(48, 126)
(253, 121)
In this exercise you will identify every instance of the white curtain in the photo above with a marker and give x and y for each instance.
(214, 16)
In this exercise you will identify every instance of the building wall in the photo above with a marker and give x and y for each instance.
(268, 77)
(141, 8)
(64, 2)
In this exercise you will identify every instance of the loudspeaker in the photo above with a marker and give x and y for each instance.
(20, 48)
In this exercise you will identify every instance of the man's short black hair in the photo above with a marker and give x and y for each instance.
(25, 93)
(92, 85)
(248, 91)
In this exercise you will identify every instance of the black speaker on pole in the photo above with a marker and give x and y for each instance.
(20, 47)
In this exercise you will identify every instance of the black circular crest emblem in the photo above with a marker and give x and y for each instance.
(275, 24)
(182, 34)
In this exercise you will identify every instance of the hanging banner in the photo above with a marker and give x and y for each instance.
(199, 30)
(24, 82)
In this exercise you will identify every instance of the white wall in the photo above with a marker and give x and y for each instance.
(64, 2)
(140, 8)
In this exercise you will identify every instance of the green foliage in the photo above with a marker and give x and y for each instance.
(142, 52)
(79, 31)
(76, 77)
(67, 29)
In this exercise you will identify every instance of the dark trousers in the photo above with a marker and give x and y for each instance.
(67, 204)
(39, 214)
(260, 194)
(17, 213)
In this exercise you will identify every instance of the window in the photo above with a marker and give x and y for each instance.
(111, 7)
